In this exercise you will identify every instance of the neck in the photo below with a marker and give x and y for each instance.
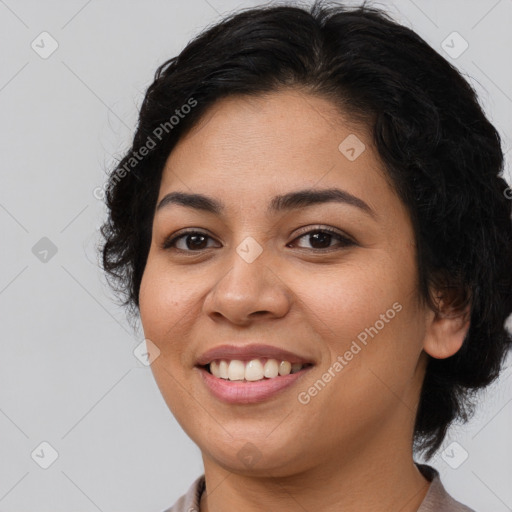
(390, 481)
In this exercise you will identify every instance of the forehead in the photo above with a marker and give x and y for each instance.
(253, 147)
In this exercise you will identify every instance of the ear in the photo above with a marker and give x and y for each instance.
(446, 330)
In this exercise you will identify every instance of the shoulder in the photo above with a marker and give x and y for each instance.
(189, 502)
(437, 499)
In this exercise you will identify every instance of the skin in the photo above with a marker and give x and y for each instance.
(350, 447)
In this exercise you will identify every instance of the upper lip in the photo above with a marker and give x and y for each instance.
(248, 352)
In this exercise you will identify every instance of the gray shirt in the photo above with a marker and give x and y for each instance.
(436, 499)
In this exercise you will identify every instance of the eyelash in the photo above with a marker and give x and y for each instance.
(169, 242)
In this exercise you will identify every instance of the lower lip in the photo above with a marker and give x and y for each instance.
(244, 392)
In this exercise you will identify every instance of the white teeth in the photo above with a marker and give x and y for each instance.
(214, 368)
(271, 369)
(236, 370)
(285, 368)
(253, 370)
(223, 370)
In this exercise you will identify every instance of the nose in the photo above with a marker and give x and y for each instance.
(249, 290)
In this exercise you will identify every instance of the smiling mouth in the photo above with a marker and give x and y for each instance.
(259, 369)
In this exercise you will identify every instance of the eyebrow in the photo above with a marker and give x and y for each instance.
(286, 202)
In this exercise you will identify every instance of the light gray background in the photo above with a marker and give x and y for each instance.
(68, 375)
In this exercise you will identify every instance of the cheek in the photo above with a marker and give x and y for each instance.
(166, 314)
(167, 306)
(367, 314)
(155, 302)
(352, 297)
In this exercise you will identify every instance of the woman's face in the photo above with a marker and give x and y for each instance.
(264, 271)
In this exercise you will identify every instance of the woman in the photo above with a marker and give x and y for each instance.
(311, 223)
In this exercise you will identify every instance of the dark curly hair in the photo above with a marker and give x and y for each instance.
(439, 150)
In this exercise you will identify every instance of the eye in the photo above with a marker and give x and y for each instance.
(321, 238)
(193, 241)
